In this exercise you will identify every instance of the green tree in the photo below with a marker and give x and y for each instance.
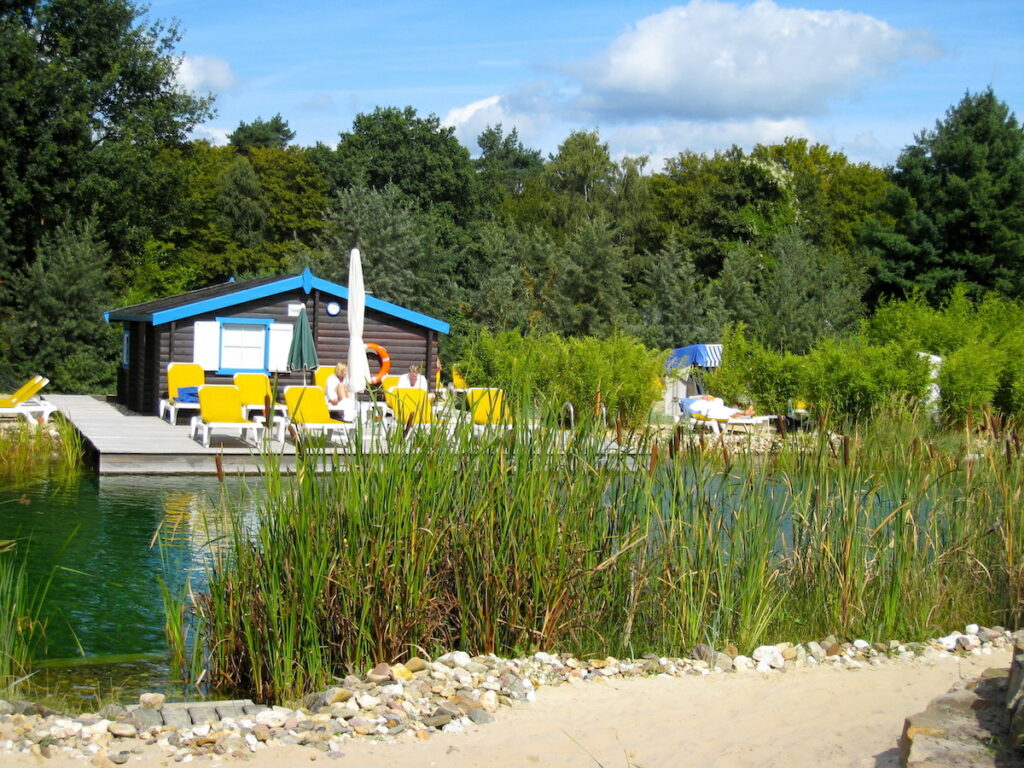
(417, 155)
(262, 134)
(961, 215)
(591, 288)
(87, 99)
(714, 204)
(675, 304)
(505, 164)
(59, 328)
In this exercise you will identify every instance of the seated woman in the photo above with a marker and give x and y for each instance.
(413, 379)
(715, 408)
(338, 396)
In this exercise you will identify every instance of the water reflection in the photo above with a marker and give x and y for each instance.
(101, 538)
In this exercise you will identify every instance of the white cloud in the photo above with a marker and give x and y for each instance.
(667, 138)
(527, 112)
(203, 74)
(216, 136)
(715, 60)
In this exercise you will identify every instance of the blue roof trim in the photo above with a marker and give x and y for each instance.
(386, 307)
(230, 300)
(306, 281)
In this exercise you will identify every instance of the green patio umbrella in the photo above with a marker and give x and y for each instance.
(302, 352)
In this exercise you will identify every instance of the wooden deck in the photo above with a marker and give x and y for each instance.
(127, 443)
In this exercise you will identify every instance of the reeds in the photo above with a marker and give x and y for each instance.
(30, 453)
(21, 628)
(528, 539)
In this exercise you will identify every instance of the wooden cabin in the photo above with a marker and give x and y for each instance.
(247, 326)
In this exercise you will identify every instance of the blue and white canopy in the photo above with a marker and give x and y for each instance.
(702, 355)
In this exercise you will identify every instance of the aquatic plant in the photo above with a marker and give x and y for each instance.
(21, 626)
(609, 543)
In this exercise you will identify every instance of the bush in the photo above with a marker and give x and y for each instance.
(852, 377)
(969, 378)
(538, 368)
(750, 373)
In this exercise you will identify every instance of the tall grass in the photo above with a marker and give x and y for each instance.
(21, 628)
(30, 453)
(545, 539)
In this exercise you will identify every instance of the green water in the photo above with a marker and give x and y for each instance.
(96, 536)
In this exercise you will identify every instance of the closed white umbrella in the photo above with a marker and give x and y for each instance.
(358, 367)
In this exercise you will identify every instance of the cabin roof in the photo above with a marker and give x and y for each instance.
(232, 293)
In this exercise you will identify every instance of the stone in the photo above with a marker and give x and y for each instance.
(416, 664)
(337, 695)
(770, 656)
(436, 721)
(833, 650)
(480, 716)
(703, 652)
(151, 700)
(743, 664)
(455, 659)
(724, 662)
(958, 702)
(816, 651)
(119, 758)
(732, 651)
(123, 730)
(789, 654)
(401, 672)
(379, 674)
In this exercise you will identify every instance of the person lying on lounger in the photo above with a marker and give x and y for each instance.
(715, 408)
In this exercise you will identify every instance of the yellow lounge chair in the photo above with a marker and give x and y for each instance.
(321, 375)
(24, 402)
(487, 408)
(180, 375)
(220, 408)
(411, 407)
(389, 382)
(307, 409)
(255, 389)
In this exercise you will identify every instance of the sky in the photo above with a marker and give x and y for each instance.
(656, 79)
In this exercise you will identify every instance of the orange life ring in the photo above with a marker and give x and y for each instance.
(385, 362)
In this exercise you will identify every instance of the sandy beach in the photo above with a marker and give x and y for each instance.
(801, 718)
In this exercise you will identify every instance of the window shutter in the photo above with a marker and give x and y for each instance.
(206, 344)
(280, 342)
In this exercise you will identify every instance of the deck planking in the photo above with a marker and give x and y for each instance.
(121, 442)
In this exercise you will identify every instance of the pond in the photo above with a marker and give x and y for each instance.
(97, 536)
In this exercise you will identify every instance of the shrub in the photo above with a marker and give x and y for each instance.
(852, 377)
(750, 373)
(537, 368)
(969, 378)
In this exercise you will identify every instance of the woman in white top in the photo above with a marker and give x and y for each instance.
(715, 408)
(413, 379)
(338, 396)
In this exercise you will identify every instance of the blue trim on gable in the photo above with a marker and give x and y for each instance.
(306, 281)
(230, 300)
(385, 307)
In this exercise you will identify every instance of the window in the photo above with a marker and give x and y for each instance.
(243, 347)
(235, 344)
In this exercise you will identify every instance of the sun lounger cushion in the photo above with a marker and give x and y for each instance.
(187, 395)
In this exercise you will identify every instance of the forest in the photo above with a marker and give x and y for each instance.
(106, 201)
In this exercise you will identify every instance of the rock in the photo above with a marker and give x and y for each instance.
(834, 650)
(861, 645)
(789, 654)
(416, 664)
(119, 758)
(972, 629)
(456, 659)
(743, 664)
(112, 712)
(816, 651)
(770, 656)
(732, 651)
(337, 695)
(151, 700)
(366, 701)
(401, 672)
(379, 674)
(123, 730)
(489, 701)
(437, 720)
(724, 662)
(480, 717)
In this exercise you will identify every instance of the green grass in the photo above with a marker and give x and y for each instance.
(29, 453)
(527, 540)
(21, 628)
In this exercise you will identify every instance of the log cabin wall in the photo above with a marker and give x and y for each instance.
(405, 342)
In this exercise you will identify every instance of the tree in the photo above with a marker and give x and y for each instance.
(674, 303)
(505, 164)
(418, 156)
(263, 134)
(59, 328)
(962, 216)
(87, 99)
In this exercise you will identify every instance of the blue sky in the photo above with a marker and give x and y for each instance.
(654, 78)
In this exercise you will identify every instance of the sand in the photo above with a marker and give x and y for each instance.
(802, 718)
